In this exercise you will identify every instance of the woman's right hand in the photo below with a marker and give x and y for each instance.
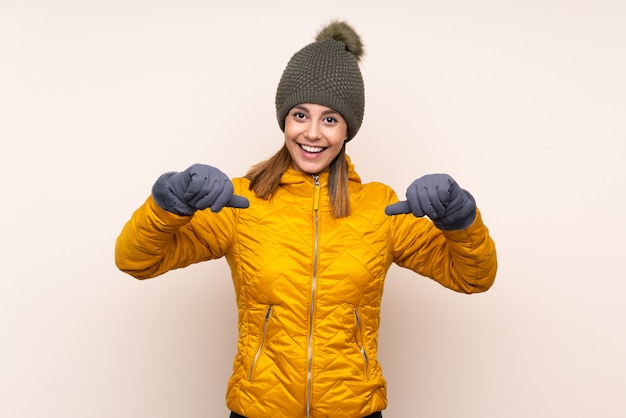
(198, 187)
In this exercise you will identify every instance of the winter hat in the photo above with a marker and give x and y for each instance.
(326, 72)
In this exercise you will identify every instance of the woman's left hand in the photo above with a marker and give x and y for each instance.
(439, 197)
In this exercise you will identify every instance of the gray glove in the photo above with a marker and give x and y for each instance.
(199, 187)
(440, 198)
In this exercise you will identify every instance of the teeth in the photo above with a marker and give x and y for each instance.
(308, 148)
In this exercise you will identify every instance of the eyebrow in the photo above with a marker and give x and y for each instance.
(326, 112)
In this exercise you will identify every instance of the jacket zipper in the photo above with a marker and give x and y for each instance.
(262, 343)
(316, 202)
(361, 343)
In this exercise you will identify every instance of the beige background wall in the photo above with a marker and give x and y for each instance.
(523, 102)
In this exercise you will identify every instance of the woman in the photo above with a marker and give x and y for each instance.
(309, 245)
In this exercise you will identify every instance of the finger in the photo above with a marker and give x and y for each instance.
(238, 202)
(221, 199)
(454, 193)
(412, 196)
(428, 198)
(398, 208)
(196, 186)
(444, 190)
(215, 195)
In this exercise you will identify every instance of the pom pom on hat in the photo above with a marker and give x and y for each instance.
(326, 72)
(343, 32)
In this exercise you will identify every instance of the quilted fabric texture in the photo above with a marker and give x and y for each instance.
(308, 286)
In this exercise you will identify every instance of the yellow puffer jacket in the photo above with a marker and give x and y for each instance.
(308, 286)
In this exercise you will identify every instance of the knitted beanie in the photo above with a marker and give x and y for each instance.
(326, 72)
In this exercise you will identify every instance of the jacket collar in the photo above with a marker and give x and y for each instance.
(292, 177)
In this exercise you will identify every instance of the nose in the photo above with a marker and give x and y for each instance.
(313, 131)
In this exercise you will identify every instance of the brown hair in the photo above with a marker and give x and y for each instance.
(265, 178)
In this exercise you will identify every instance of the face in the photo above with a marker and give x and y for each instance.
(314, 135)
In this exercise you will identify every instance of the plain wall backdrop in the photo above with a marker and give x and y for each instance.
(522, 102)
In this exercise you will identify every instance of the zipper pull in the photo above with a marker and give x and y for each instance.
(316, 201)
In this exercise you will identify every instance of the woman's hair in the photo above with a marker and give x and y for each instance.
(265, 178)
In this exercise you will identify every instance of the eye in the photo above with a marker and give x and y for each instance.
(330, 119)
(298, 115)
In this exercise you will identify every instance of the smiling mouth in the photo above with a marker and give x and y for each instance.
(310, 149)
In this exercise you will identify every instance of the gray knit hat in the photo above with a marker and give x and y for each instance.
(326, 72)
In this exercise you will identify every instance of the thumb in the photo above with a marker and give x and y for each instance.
(238, 202)
(398, 208)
